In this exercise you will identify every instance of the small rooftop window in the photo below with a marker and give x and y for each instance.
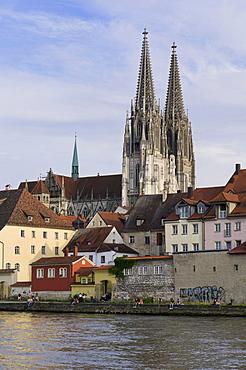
(139, 221)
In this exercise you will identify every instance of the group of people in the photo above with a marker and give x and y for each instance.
(173, 303)
(137, 303)
(31, 300)
(78, 298)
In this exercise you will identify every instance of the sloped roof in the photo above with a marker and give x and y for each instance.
(237, 183)
(70, 219)
(21, 284)
(151, 209)
(65, 260)
(99, 187)
(85, 271)
(28, 185)
(17, 204)
(40, 188)
(120, 248)
(206, 194)
(92, 187)
(225, 197)
(240, 209)
(239, 249)
(115, 219)
(69, 185)
(89, 239)
(7, 271)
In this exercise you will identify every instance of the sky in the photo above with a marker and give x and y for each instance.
(71, 66)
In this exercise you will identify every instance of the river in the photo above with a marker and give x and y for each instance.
(93, 342)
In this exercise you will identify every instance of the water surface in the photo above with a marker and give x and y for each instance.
(84, 341)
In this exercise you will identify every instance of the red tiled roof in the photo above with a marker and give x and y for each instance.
(172, 217)
(237, 183)
(70, 219)
(22, 284)
(103, 267)
(40, 188)
(99, 187)
(115, 219)
(89, 239)
(149, 257)
(66, 260)
(28, 185)
(7, 271)
(239, 249)
(225, 197)
(207, 194)
(191, 202)
(17, 204)
(84, 271)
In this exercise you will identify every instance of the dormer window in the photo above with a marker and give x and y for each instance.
(30, 218)
(183, 211)
(47, 219)
(200, 208)
(139, 221)
(88, 243)
(222, 211)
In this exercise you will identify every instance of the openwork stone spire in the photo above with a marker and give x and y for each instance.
(145, 96)
(174, 109)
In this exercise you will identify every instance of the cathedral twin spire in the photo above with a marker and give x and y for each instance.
(158, 153)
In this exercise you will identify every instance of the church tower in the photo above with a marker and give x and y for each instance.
(157, 151)
(75, 163)
(178, 128)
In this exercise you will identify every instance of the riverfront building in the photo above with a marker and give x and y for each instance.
(28, 230)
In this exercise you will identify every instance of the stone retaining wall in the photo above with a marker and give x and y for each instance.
(111, 308)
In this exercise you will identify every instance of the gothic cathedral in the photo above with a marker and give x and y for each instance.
(158, 156)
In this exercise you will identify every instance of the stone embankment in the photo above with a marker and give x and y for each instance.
(118, 308)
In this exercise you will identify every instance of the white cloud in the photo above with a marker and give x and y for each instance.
(74, 67)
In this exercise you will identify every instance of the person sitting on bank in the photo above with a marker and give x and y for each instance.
(74, 302)
(29, 302)
(136, 303)
(171, 304)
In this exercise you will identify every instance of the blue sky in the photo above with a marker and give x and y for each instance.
(71, 66)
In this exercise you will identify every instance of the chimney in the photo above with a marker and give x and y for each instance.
(237, 169)
(66, 252)
(190, 192)
(75, 250)
(158, 244)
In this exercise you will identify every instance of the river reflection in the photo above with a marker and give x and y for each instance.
(79, 341)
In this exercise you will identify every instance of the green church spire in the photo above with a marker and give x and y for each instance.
(75, 162)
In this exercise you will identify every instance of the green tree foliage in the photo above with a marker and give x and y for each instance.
(120, 263)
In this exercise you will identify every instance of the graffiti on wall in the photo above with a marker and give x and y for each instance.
(203, 294)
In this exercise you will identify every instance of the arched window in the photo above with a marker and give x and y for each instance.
(17, 266)
(17, 249)
(8, 265)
